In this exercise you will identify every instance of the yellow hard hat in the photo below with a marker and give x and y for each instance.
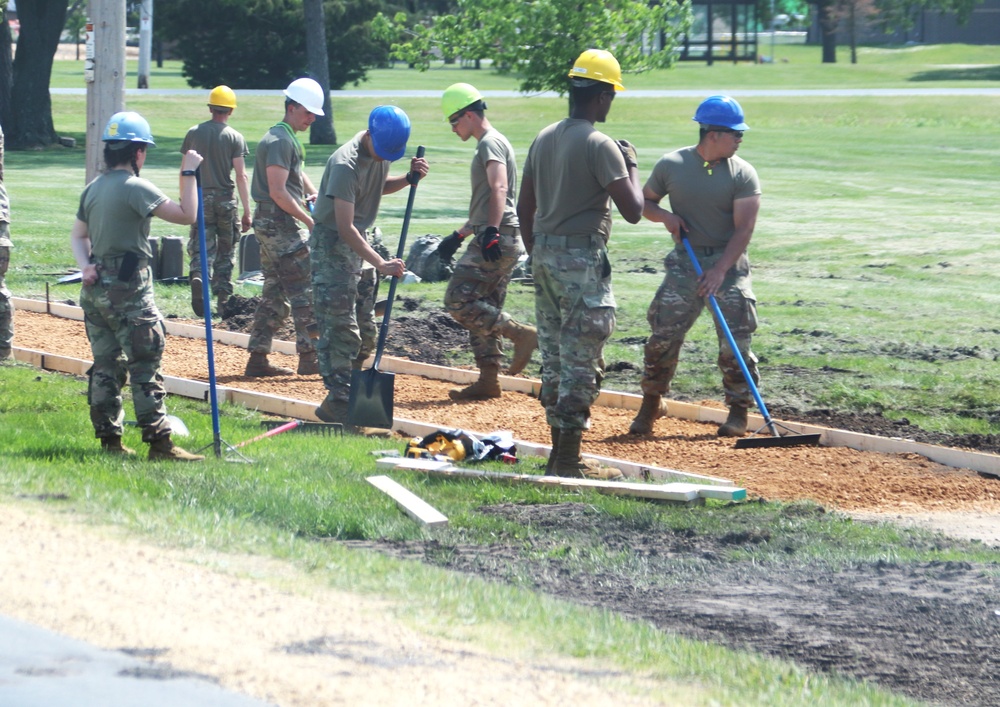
(598, 65)
(223, 97)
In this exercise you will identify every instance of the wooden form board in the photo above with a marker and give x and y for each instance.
(959, 458)
(414, 506)
(678, 492)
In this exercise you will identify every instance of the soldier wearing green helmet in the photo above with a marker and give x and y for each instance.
(478, 286)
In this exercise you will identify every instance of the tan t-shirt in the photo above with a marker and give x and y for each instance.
(219, 144)
(703, 200)
(117, 208)
(353, 175)
(280, 148)
(492, 147)
(571, 164)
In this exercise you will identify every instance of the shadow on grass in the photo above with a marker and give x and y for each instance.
(977, 73)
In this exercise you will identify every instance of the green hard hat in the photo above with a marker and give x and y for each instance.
(458, 96)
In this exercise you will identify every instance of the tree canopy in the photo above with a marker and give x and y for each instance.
(262, 44)
(539, 41)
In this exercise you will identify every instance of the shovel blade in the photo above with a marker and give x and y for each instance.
(370, 404)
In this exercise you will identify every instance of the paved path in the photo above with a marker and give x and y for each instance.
(637, 93)
(39, 668)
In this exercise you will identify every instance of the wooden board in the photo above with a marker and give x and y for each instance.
(677, 492)
(414, 506)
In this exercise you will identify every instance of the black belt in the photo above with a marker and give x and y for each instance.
(704, 249)
(115, 262)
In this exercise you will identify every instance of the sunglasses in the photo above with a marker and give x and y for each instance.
(453, 121)
(738, 134)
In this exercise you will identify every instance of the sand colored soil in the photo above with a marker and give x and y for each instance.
(841, 478)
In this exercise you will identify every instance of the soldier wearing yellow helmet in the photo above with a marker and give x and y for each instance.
(225, 151)
(572, 174)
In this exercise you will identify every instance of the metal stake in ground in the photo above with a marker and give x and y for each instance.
(371, 401)
(776, 441)
(212, 394)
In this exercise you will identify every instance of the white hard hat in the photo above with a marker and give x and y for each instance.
(308, 93)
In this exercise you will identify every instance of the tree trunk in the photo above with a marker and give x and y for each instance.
(828, 26)
(42, 22)
(854, 33)
(321, 132)
(6, 72)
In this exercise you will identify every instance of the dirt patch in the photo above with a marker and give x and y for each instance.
(928, 630)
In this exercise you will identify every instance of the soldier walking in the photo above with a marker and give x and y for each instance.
(478, 286)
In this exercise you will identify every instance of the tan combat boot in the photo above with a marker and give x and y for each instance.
(6, 354)
(113, 445)
(197, 301)
(555, 450)
(221, 308)
(525, 340)
(736, 424)
(569, 463)
(483, 389)
(258, 367)
(652, 410)
(165, 449)
(333, 411)
(308, 364)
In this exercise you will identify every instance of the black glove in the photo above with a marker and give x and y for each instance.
(628, 152)
(447, 247)
(413, 177)
(491, 244)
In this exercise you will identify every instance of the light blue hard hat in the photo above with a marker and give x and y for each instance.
(722, 111)
(389, 127)
(127, 126)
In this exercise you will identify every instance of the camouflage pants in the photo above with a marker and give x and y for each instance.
(477, 290)
(222, 233)
(676, 307)
(284, 260)
(127, 337)
(575, 309)
(344, 291)
(6, 306)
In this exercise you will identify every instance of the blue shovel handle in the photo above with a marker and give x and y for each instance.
(717, 311)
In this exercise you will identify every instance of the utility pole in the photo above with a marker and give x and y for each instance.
(145, 42)
(104, 73)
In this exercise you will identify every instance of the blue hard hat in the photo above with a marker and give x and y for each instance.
(722, 111)
(390, 129)
(127, 126)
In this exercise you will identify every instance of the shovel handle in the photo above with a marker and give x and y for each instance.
(400, 252)
(270, 433)
(724, 325)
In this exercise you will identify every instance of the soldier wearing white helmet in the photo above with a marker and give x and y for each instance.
(714, 197)
(225, 151)
(282, 224)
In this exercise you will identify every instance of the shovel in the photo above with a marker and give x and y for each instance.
(370, 404)
(793, 440)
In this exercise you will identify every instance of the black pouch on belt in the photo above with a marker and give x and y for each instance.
(127, 268)
(605, 265)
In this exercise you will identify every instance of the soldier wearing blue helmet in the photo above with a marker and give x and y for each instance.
(714, 197)
(110, 240)
(344, 264)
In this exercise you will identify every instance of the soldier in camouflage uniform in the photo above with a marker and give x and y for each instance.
(6, 307)
(225, 151)
(350, 192)
(714, 199)
(110, 241)
(281, 190)
(572, 174)
(478, 286)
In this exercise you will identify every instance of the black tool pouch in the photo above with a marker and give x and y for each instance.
(127, 268)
